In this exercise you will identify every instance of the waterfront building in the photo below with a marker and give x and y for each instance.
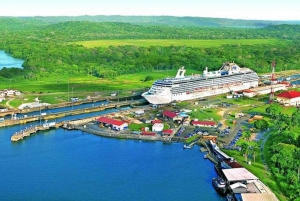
(113, 123)
(167, 132)
(252, 190)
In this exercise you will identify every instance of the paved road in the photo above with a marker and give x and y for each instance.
(262, 148)
(227, 139)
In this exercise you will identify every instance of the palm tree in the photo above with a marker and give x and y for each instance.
(245, 150)
(248, 135)
(255, 148)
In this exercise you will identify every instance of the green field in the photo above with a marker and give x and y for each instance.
(90, 83)
(56, 90)
(166, 42)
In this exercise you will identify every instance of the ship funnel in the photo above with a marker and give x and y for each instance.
(180, 72)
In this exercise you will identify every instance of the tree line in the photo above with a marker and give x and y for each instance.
(46, 50)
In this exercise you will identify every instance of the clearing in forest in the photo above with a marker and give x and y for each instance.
(174, 42)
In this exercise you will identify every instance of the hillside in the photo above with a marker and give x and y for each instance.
(45, 46)
(155, 21)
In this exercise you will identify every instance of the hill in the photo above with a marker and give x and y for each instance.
(153, 21)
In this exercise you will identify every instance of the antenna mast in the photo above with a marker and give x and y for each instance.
(271, 98)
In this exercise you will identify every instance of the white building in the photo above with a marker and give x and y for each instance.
(265, 90)
(113, 123)
(289, 98)
(157, 127)
(139, 112)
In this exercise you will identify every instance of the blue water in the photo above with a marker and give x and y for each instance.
(72, 165)
(7, 61)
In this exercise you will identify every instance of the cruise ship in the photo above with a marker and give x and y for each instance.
(230, 77)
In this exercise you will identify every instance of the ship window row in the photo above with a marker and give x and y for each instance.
(186, 88)
(208, 82)
(219, 81)
(223, 77)
(242, 77)
(177, 94)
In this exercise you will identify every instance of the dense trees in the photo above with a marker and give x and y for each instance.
(285, 151)
(46, 51)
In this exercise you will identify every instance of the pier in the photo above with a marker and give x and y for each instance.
(33, 129)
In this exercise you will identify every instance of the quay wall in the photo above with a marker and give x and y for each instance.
(68, 104)
(120, 135)
(62, 114)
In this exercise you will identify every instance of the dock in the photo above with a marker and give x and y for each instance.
(31, 130)
(68, 113)
(211, 156)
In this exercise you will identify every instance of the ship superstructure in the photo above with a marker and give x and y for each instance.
(230, 77)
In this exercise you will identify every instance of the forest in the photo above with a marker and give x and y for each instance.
(47, 50)
(284, 151)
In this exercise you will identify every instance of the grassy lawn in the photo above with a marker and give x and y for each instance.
(174, 42)
(206, 114)
(191, 139)
(137, 127)
(89, 83)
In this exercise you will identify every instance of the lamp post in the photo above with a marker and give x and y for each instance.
(68, 90)
(40, 112)
(72, 97)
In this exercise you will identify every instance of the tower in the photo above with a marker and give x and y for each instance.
(271, 98)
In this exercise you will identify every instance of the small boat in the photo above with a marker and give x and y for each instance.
(220, 185)
(187, 146)
(205, 156)
(229, 197)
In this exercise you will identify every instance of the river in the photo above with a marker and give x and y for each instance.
(8, 61)
(72, 165)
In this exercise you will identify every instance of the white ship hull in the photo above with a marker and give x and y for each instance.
(167, 97)
(182, 88)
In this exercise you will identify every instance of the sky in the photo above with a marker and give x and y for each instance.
(233, 9)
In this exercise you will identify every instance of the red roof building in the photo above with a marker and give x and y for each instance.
(115, 124)
(248, 90)
(167, 132)
(289, 94)
(289, 98)
(169, 114)
(227, 164)
(107, 120)
(249, 93)
(148, 133)
(204, 123)
(156, 121)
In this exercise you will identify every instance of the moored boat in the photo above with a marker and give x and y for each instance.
(187, 146)
(220, 185)
(230, 77)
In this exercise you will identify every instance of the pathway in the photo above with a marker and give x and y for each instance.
(8, 105)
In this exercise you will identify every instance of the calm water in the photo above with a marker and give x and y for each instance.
(71, 165)
(7, 61)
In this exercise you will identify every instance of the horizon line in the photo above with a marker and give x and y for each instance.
(16, 16)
